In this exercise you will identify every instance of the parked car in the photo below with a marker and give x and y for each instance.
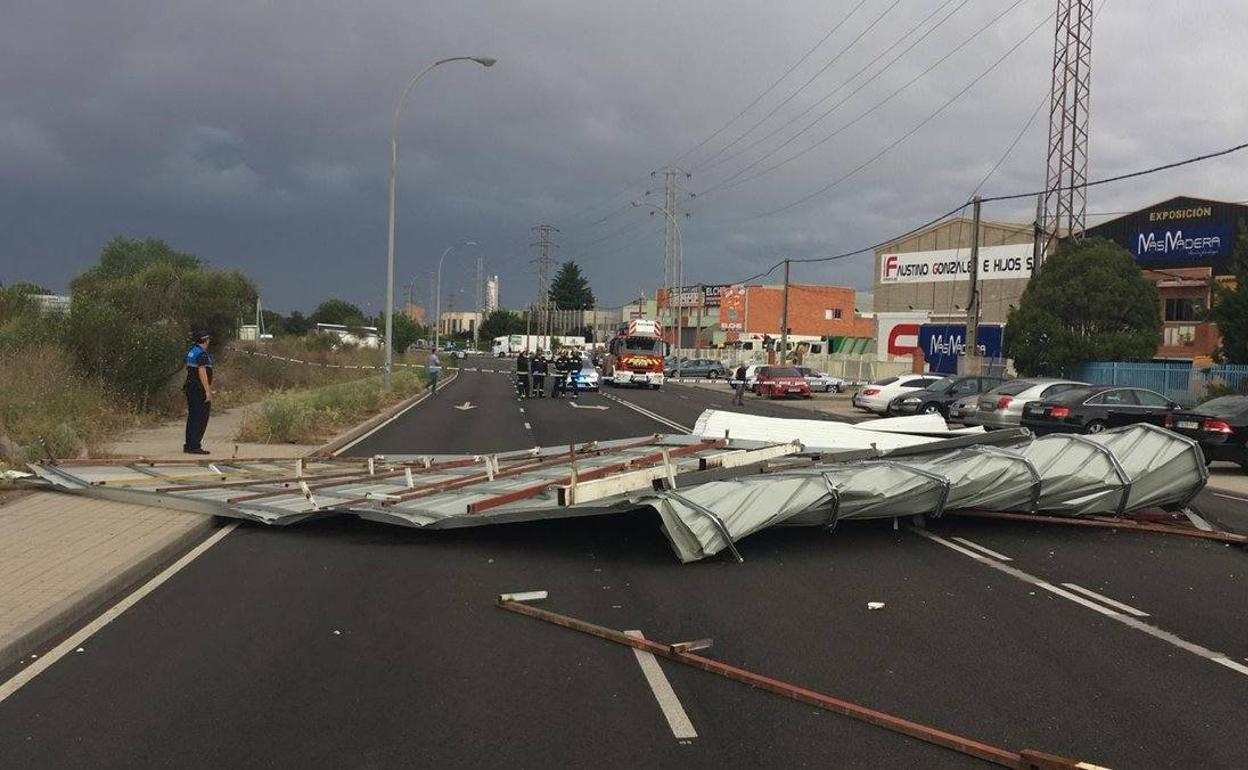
(1220, 425)
(821, 381)
(780, 382)
(963, 410)
(1093, 409)
(698, 367)
(875, 396)
(936, 398)
(1002, 407)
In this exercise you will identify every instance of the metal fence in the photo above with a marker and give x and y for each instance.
(1177, 380)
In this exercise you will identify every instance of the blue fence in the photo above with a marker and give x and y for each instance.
(1176, 379)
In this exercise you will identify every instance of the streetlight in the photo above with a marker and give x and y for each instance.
(484, 61)
(680, 260)
(437, 312)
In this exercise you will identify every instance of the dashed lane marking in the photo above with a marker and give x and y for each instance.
(528, 427)
(982, 549)
(1103, 599)
(75, 641)
(669, 704)
(1204, 652)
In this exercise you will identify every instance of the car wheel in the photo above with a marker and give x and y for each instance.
(1094, 426)
(712, 375)
(931, 408)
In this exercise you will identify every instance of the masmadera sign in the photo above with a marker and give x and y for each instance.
(995, 263)
(944, 344)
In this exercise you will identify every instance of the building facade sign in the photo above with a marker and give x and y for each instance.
(947, 265)
(944, 344)
(1197, 242)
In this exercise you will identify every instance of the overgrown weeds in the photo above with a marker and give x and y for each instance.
(315, 415)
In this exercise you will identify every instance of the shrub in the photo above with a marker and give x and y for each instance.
(315, 415)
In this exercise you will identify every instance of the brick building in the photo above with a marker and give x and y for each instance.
(814, 310)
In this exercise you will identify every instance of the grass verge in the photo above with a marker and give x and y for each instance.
(316, 415)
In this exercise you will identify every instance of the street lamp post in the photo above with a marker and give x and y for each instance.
(484, 61)
(680, 251)
(437, 312)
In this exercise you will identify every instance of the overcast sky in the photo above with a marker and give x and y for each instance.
(256, 134)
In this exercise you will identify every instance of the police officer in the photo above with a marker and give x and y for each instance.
(738, 385)
(523, 380)
(561, 375)
(198, 389)
(539, 367)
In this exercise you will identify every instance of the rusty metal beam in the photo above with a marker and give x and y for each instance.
(1028, 760)
(597, 473)
(589, 449)
(1108, 523)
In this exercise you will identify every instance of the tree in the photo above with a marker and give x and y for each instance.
(405, 332)
(336, 311)
(132, 313)
(1230, 305)
(570, 290)
(501, 323)
(1090, 302)
(296, 325)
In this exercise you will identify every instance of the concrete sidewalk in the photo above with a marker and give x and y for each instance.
(164, 442)
(64, 557)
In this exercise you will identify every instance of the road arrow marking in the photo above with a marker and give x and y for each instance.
(575, 405)
(465, 406)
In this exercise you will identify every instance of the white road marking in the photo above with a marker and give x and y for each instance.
(1230, 497)
(528, 427)
(1127, 608)
(669, 704)
(75, 641)
(656, 417)
(982, 549)
(521, 410)
(1126, 620)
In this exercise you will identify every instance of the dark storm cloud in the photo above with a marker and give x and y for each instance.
(256, 133)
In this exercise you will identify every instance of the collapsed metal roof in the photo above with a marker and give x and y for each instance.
(709, 492)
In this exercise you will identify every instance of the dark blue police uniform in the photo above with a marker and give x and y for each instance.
(198, 407)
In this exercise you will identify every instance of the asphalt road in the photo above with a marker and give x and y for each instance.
(345, 643)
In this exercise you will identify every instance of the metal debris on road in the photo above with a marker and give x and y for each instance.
(709, 492)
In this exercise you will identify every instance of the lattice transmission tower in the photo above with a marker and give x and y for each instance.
(546, 247)
(1066, 195)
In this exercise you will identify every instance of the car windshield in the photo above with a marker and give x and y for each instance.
(940, 386)
(1012, 388)
(1224, 406)
(784, 371)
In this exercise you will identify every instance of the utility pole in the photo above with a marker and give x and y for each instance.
(673, 253)
(971, 359)
(784, 318)
(476, 328)
(546, 246)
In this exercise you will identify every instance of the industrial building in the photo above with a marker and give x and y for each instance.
(1182, 244)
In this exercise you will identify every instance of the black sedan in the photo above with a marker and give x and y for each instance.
(1220, 425)
(936, 398)
(1092, 410)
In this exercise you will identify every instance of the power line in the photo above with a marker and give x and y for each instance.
(834, 91)
(926, 71)
(1131, 175)
(802, 87)
(771, 87)
(913, 130)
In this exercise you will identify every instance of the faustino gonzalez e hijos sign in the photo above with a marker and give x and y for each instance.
(995, 263)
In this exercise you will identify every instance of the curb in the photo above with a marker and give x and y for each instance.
(351, 435)
(73, 611)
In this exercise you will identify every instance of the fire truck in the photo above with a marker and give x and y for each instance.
(635, 355)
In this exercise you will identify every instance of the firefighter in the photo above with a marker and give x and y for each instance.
(524, 381)
(539, 368)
